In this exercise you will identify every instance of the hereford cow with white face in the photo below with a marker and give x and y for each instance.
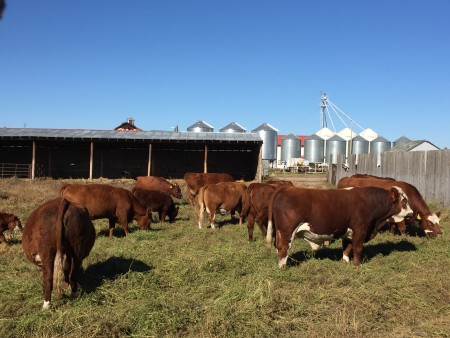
(355, 215)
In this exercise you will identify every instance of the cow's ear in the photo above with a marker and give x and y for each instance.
(438, 213)
(394, 194)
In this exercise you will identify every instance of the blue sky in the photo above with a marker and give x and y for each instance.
(92, 64)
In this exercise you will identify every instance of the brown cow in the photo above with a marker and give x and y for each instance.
(57, 237)
(104, 201)
(158, 183)
(429, 221)
(194, 181)
(256, 204)
(316, 215)
(8, 222)
(226, 196)
(157, 201)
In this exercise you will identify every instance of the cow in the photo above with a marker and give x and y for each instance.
(429, 221)
(57, 237)
(256, 204)
(158, 183)
(194, 181)
(157, 201)
(105, 201)
(226, 196)
(8, 222)
(355, 215)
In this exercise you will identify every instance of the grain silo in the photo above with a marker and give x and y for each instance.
(201, 126)
(335, 146)
(400, 140)
(290, 147)
(360, 145)
(380, 145)
(233, 127)
(314, 148)
(269, 136)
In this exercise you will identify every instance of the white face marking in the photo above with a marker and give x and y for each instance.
(282, 262)
(433, 219)
(403, 212)
(37, 258)
(428, 231)
(46, 305)
(345, 258)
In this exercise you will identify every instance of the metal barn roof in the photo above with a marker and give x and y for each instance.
(152, 135)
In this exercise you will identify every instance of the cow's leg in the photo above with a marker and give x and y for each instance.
(47, 270)
(346, 249)
(73, 277)
(2, 239)
(250, 225)
(262, 223)
(283, 243)
(200, 214)
(357, 245)
(211, 217)
(402, 227)
(123, 220)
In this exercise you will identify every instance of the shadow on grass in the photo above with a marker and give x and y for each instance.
(369, 251)
(118, 231)
(110, 269)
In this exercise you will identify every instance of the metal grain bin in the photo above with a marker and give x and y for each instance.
(233, 127)
(269, 136)
(201, 126)
(334, 146)
(360, 145)
(400, 140)
(314, 148)
(380, 145)
(290, 147)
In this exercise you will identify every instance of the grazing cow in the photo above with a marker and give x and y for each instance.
(158, 183)
(226, 196)
(256, 204)
(57, 237)
(429, 221)
(8, 222)
(105, 201)
(157, 201)
(355, 215)
(194, 181)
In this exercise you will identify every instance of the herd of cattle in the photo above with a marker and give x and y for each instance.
(59, 234)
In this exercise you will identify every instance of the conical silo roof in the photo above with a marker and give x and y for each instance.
(325, 133)
(264, 127)
(201, 126)
(233, 127)
(369, 134)
(402, 139)
(347, 134)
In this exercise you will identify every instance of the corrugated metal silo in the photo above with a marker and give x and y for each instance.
(380, 145)
(314, 148)
(290, 147)
(335, 146)
(201, 126)
(360, 145)
(269, 136)
(400, 140)
(233, 127)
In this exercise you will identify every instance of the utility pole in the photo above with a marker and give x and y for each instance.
(323, 106)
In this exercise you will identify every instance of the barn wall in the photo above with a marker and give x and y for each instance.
(116, 159)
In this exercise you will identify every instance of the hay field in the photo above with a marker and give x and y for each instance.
(180, 281)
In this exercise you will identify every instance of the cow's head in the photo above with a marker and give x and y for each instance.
(430, 224)
(144, 221)
(175, 190)
(12, 223)
(399, 198)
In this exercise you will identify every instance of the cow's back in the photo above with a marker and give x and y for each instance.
(159, 184)
(101, 200)
(226, 195)
(194, 181)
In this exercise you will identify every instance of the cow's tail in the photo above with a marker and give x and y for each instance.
(246, 202)
(60, 258)
(201, 206)
(270, 223)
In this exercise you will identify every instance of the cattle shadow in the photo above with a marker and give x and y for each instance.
(369, 251)
(111, 269)
(118, 231)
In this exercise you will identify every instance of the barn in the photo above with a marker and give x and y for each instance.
(126, 152)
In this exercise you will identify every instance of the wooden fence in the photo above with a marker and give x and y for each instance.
(428, 171)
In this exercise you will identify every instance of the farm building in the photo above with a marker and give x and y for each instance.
(407, 145)
(126, 151)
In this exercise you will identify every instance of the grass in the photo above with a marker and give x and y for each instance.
(178, 280)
